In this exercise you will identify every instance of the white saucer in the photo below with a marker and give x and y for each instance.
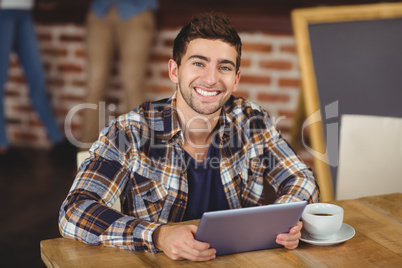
(345, 233)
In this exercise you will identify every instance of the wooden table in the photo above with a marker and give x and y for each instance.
(377, 243)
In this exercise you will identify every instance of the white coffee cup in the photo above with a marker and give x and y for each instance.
(322, 220)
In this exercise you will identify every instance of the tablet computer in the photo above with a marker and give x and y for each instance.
(248, 229)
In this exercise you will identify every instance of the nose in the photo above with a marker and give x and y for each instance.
(210, 76)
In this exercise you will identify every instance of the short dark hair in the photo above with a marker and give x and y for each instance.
(212, 25)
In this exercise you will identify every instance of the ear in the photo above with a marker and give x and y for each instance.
(237, 80)
(173, 71)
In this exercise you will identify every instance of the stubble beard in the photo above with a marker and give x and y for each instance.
(190, 100)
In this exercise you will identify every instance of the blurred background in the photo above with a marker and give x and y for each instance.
(34, 186)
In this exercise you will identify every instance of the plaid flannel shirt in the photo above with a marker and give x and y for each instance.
(139, 158)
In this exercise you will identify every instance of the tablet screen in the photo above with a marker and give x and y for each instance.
(248, 229)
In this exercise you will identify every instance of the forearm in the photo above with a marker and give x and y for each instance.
(291, 178)
(86, 214)
(87, 220)
(299, 186)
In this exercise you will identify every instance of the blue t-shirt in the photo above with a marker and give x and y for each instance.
(126, 8)
(205, 189)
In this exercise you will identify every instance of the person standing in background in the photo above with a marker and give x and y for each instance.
(17, 33)
(127, 26)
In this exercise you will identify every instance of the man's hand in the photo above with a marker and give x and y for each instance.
(178, 243)
(291, 239)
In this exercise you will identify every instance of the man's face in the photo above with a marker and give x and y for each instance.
(206, 77)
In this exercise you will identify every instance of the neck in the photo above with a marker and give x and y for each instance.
(197, 128)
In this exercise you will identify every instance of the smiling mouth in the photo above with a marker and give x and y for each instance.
(206, 93)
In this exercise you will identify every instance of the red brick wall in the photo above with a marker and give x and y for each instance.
(270, 77)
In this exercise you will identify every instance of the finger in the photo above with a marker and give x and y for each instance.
(195, 255)
(195, 244)
(193, 228)
(196, 248)
(299, 226)
(290, 240)
(289, 237)
(198, 245)
(296, 228)
(183, 251)
(289, 244)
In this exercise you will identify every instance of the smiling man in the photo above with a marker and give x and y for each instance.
(174, 159)
(207, 76)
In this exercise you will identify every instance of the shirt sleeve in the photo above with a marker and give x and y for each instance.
(289, 175)
(86, 213)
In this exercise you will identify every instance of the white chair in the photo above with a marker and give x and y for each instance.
(81, 156)
(370, 156)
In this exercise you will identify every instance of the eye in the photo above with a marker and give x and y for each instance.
(225, 68)
(199, 64)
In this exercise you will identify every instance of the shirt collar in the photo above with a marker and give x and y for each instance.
(171, 124)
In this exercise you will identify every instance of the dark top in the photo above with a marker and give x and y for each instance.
(205, 189)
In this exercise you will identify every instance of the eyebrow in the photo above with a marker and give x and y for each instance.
(221, 61)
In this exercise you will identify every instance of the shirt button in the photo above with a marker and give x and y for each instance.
(149, 193)
(182, 202)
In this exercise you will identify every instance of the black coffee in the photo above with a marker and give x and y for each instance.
(323, 214)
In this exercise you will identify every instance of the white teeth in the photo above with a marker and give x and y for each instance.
(206, 93)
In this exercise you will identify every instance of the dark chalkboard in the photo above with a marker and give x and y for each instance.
(351, 57)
